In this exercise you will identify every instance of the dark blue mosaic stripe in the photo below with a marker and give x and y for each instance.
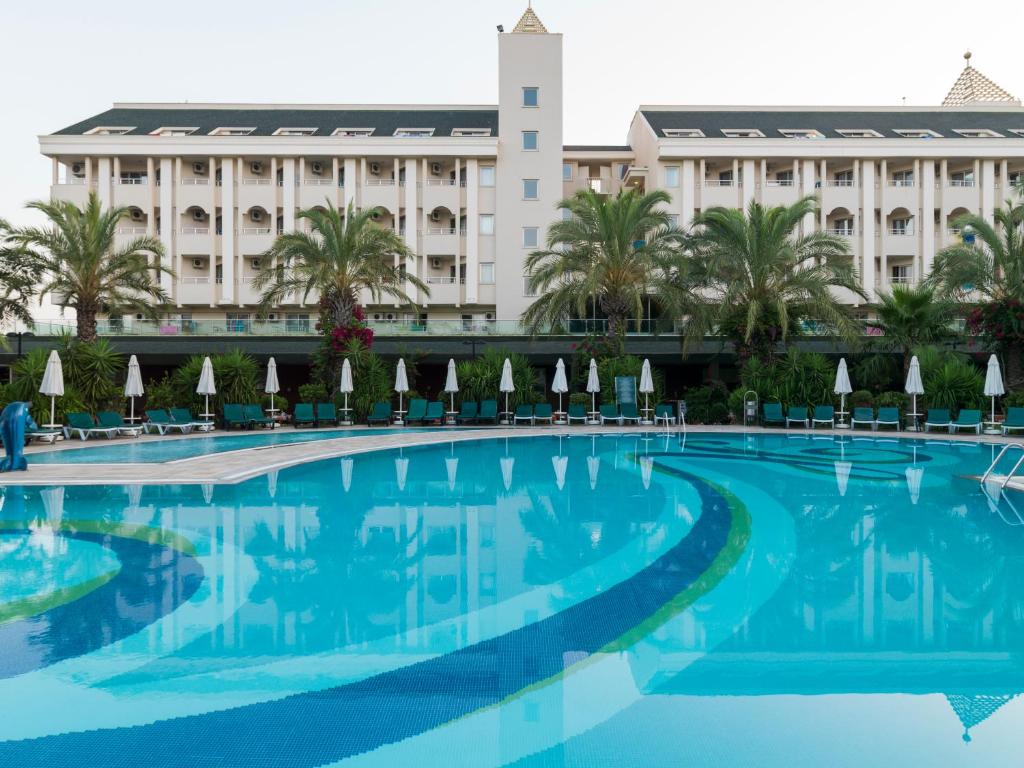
(154, 580)
(311, 729)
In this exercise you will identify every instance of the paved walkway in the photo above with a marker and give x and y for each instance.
(235, 466)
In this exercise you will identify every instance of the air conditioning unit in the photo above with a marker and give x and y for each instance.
(377, 316)
(389, 317)
(256, 263)
(435, 262)
(78, 169)
(137, 214)
(198, 214)
(256, 214)
(199, 169)
(272, 317)
(198, 264)
(435, 215)
(489, 316)
(375, 169)
(435, 168)
(316, 168)
(256, 167)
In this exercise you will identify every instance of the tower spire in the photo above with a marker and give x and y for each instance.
(972, 88)
(529, 22)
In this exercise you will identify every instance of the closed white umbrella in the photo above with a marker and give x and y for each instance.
(843, 475)
(560, 385)
(506, 385)
(593, 387)
(272, 483)
(593, 467)
(207, 489)
(646, 470)
(134, 492)
(646, 386)
(346, 384)
(560, 464)
(401, 387)
(508, 463)
(133, 384)
(206, 386)
(914, 386)
(914, 477)
(451, 465)
(451, 383)
(401, 472)
(53, 382)
(53, 503)
(346, 473)
(271, 387)
(993, 387)
(842, 388)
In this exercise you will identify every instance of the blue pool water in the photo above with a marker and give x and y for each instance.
(729, 600)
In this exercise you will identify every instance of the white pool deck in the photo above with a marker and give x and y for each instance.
(238, 465)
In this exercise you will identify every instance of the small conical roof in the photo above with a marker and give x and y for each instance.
(972, 87)
(530, 23)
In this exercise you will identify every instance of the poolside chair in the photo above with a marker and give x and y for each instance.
(379, 414)
(254, 415)
(468, 412)
(488, 411)
(326, 413)
(111, 420)
(937, 417)
(888, 417)
(1014, 420)
(797, 414)
(524, 412)
(966, 419)
(83, 424)
(34, 432)
(772, 414)
(629, 413)
(417, 411)
(435, 412)
(576, 412)
(824, 414)
(863, 415)
(184, 416)
(303, 415)
(234, 416)
(543, 412)
(664, 412)
(160, 420)
(609, 412)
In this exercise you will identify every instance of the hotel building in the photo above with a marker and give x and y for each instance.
(472, 189)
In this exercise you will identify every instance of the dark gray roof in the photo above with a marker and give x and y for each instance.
(712, 122)
(597, 148)
(266, 121)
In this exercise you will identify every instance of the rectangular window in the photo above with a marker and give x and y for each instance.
(115, 130)
(858, 133)
(531, 96)
(742, 133)
(297, 323)
(784, 179)
(529, 189)
(173, 131)
(413, 133)
(961, 179)
(566, 171)
(295, 132)
(471, 132)
(487, 274)
(725, 178)
(901, 274)
(237, 322)
(843, 178)
(918, 133)
(530, 237)
(672, 176)
(486, 175)
(978, 133)
(352, 132)
(226, 131)
(843, 226)
(530, 141)
(899, 227)
(487, 224)
(903, 178)
(800, 133)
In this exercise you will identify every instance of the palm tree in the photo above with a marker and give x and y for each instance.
(612, 253)
(340, 257)
(913, 316)
(764, 280)
(82, 264)
(18, 280)
(986, 270)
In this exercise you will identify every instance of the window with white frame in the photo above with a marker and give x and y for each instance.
(413, 133)
(295, 132)
(858, 133)
(229, 131)
(487, 273)
(683, 133)
(566, 171)
(783, 179)
(671, 175)
(530, 141)
(900, 274)
(843, 226)
(486, 175)
(961, 178)
(531, 96)
(352, 132)
(742, 133)
(900, 226)
(486, 223)
(174, 131)
(918, 133)
(110, 130)
(530, 189)
(843, 178)
(1017, 132)
(978, 133)
(530, 237)
(904, 178)
(801, 133)
(471, 132)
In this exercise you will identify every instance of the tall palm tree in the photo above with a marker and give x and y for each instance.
(615, 253)
(82, 264)
(986, 270)
(341, 256)
(18, 281)
(764, 279)
(913, 316)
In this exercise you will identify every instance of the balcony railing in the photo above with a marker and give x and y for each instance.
(440, 183)
(380, 182)
(900, 231)
(900, 280)
(256, 182)
(195, 231)
(133, 182)
(718, 183)
(780, 182)
(254, 231)
(445, 281)
(194, 281)
(319, 182)
(195, 182)
(839, 183)
(961, 182)
(439, 231)
(840, 231)
(131, 230)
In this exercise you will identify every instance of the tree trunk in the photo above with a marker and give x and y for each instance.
(86, 321)
(343, 305)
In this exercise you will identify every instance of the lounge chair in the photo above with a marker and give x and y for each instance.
(577, 412)
(326, 413)
(863, 415)
(628, 412)
(772, 414)
(379, 414)
(160, 420)
(967, 419)
(83, 424)
(524, 412)
(609, 412)
(543, 412)
(664, 412)
(1014, 420)
(797, 414)
(184, 416)
(417, 411)
(488, 411)
(303, 415)
(435, 412)
(34, 432)
(111, 420)
(234, 416)
(254, 414)
(468, 412)
(937, 417)
(824, 414)
(888, 417)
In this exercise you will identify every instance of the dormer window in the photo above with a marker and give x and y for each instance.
(918, 133)
(1017, 132)
(413, 133)
(110, 130)
(742, 133)
(471, 132)
(295, 131)
(858, 133)
(801, 133)
(352, 132)
(174, 131)
(683, 133)
(978, 133)
(232, 131)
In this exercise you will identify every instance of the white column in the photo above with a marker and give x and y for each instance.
(411, 223)
(883, 218)
(749, 185)
(362, 179)
(459, 289)
(350, 182)
(115, 181)
(988, 190)
(54, 171)
(687, 194)
(153, 189)
(211, 169)
(168, 219)
(927, 182)
(808, 188)
(472, 231)
(103, 181)
(868, 228)
(227, 238)
(737, 192)
(88, 174)
(335, 168)
(822, 213)
(288, 194)
(1005, 189)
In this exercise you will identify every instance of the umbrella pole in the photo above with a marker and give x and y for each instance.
(132, 398)
(206, 406)
(53, 402)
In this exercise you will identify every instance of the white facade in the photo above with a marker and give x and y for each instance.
(472, 189)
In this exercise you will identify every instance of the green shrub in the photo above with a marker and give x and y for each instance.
(609, 368)
(892, 399)
(480, 378)
(236, 376)
(860, 398)
(950, 380)
(707, 404)
(95, 371)
(312, 393)
(160, 394)
(281, 403)
(1014, 399)
(28, 376)
(876, 372)
(796, 378)
(579, 398)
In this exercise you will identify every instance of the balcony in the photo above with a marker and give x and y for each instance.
(380, 193)
(73, 191)
(316, 191)
(444, 290)
(194, 290)
(440, 241)
(255, 240)
(719, 192)
(194, 240)
(195, 191)
(441, 193)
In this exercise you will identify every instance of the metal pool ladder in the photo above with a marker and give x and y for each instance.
(995, 463)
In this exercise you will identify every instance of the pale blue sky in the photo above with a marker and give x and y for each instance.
(63, 60)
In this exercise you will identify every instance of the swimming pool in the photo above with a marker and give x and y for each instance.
(175, 448)
(730, 600)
